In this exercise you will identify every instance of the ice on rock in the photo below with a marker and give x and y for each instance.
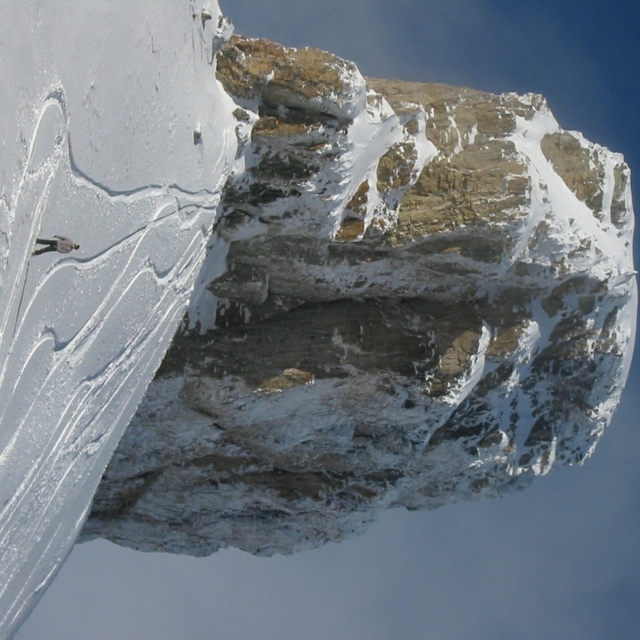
(95, 112)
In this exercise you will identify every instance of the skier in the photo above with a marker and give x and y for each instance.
(60, 244)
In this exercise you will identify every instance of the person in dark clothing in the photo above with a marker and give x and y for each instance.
(61, 244)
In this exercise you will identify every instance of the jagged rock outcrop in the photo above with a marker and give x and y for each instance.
(415, 294)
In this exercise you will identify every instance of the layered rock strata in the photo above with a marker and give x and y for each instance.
(415, 294)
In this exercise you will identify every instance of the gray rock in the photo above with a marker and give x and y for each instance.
(437, 312)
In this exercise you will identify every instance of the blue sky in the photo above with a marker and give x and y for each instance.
(560, 560)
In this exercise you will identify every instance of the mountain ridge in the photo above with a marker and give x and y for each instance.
(414, 294)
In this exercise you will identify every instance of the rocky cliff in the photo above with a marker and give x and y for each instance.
(414, 294)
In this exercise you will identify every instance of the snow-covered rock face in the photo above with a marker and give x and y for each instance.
(114, 131)
(417, 294)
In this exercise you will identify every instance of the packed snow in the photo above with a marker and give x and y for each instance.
(95, 112)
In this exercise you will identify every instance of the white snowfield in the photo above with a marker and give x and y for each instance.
(97, 138)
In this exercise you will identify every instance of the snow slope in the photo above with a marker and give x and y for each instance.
(95, 112)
